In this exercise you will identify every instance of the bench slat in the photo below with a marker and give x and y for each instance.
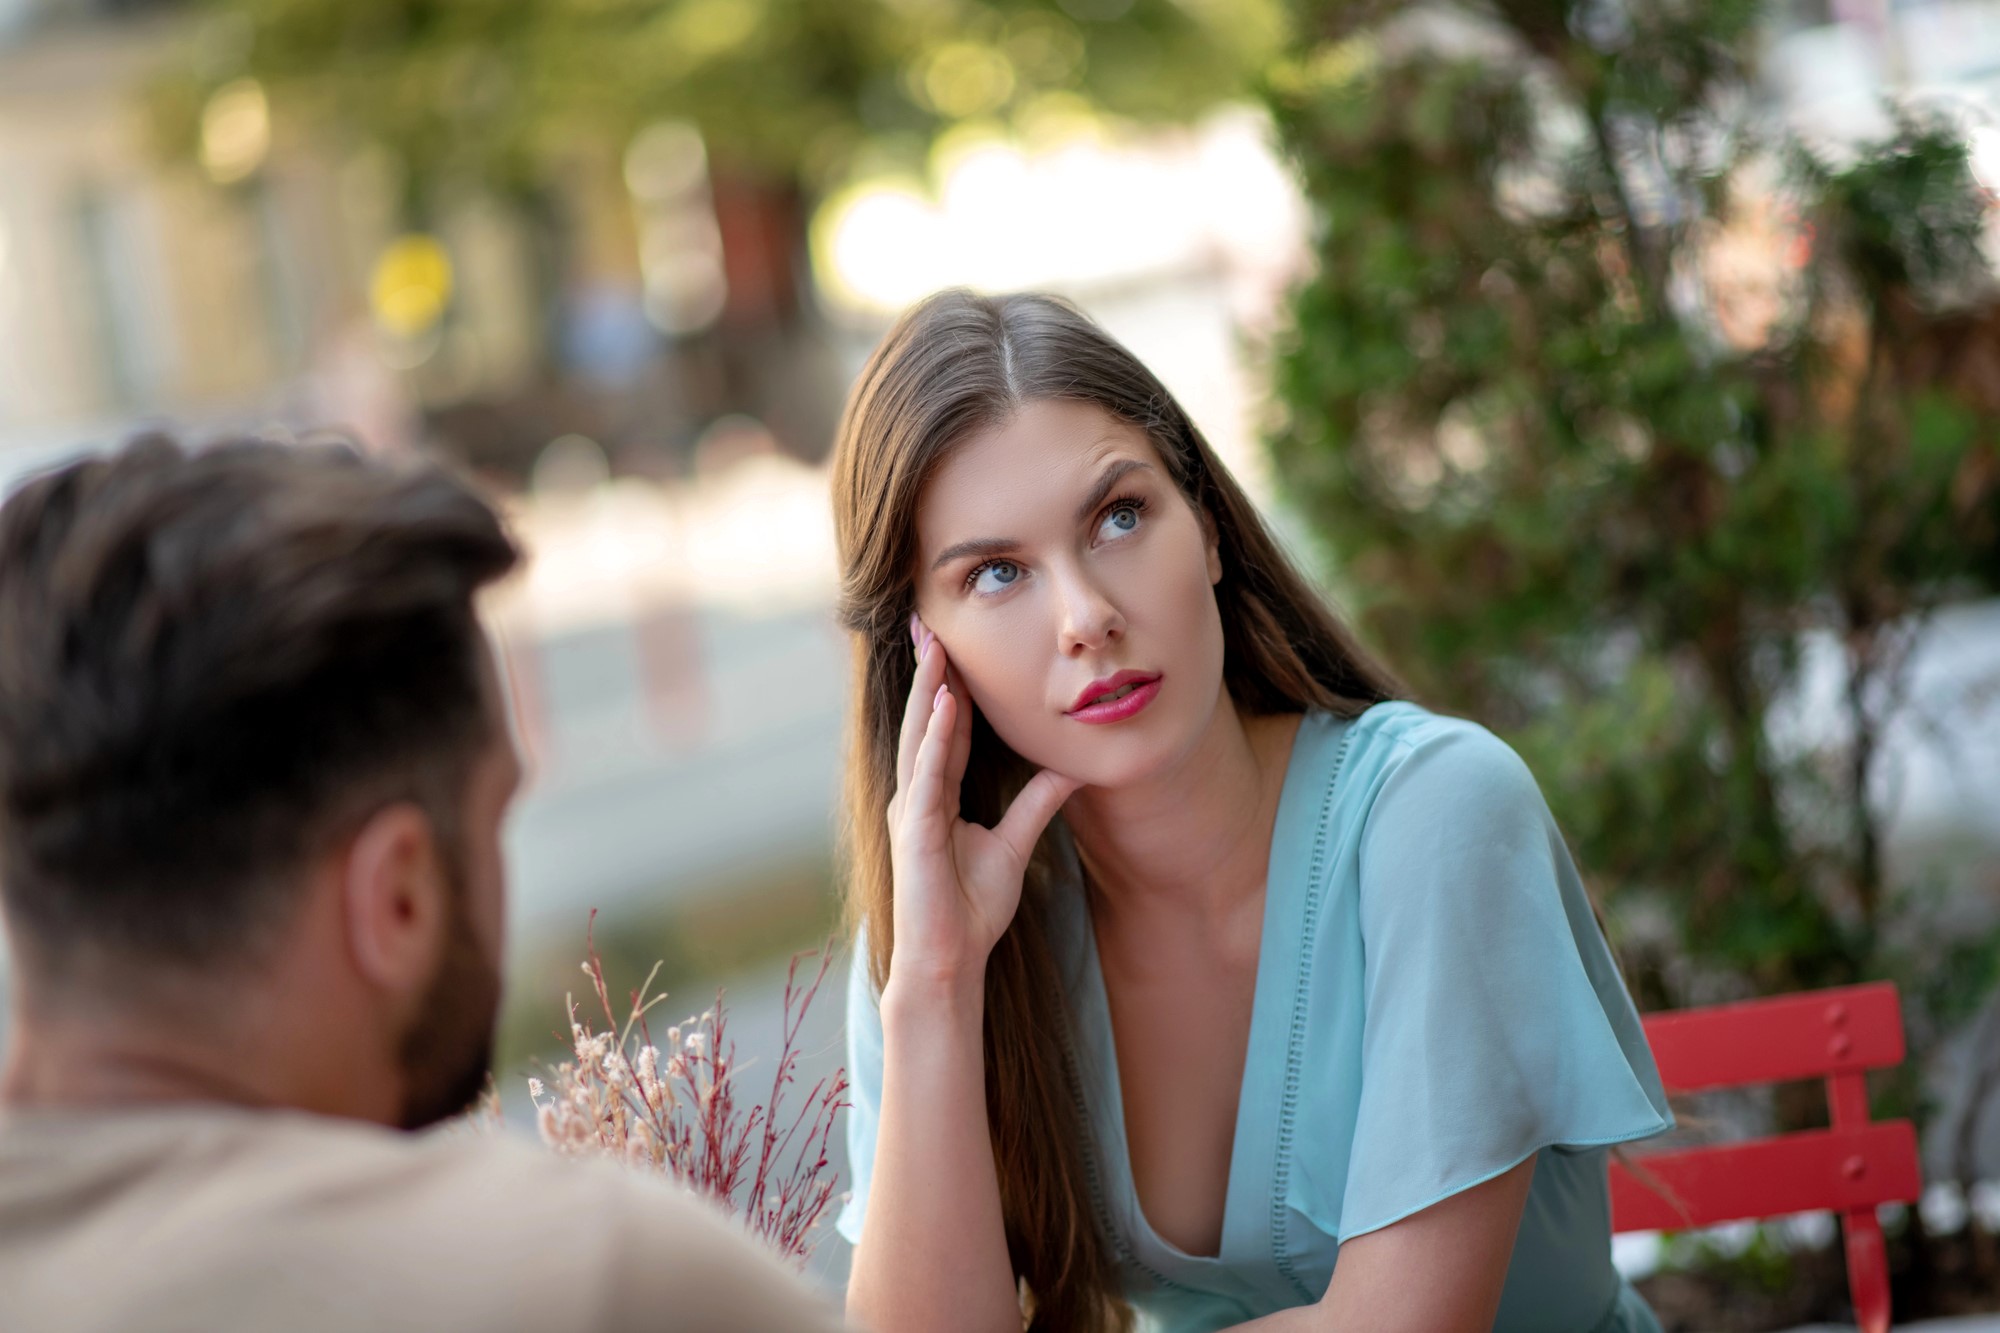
(1843, 1030)
(1792, 1173)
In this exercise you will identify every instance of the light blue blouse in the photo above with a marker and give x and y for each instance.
(1434, 1005)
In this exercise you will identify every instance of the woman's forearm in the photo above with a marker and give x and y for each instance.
(933, 1251)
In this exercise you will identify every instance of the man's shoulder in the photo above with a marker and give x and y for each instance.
(498, 1189)
(279, 1176)
(254, 1212)
(653, 1245)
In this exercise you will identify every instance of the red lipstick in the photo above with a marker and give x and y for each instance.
(1133, 691)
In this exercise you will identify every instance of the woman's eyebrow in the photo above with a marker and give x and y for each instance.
(992, 546)
(1102, 490)
(986, 546)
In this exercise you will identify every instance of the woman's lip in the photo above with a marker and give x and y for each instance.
(1097, 689)
(1117, 710)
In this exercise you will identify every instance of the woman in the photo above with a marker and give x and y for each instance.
(1298, 972)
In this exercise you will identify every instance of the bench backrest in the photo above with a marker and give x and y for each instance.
(1850, 1167)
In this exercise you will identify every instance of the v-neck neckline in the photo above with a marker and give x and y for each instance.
(1246, 1231)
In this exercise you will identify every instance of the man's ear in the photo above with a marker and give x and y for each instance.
(393, 893)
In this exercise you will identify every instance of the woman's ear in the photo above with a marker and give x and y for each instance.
(1212, 535)
(393, 894)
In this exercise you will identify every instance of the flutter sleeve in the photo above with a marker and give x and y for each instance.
(864, 1070)
(1496, 1023)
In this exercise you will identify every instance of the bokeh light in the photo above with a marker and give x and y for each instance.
(1983, 153)
(235, 131)
(1067, 204)
(666, 161)
(964, 79)
(680, 243)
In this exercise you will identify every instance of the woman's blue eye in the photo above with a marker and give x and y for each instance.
(1121, 520)
(995, 576)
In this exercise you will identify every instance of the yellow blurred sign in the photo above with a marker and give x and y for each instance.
(410, 286)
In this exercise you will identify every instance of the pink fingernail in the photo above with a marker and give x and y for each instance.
(938, 698)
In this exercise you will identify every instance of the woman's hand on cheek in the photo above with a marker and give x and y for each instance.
(957, 884)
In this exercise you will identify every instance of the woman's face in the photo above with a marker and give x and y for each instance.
(1058, 564)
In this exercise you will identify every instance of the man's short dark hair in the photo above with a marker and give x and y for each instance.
(213, 662)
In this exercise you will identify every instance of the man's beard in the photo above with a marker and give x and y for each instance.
(447, 1055)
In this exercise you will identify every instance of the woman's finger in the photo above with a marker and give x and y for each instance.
(925, 798)
(1032, 810)
(917, 709)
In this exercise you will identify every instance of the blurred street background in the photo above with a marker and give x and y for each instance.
(1629, 369)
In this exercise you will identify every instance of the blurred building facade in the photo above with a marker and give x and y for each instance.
(259, 279)
(128, 288)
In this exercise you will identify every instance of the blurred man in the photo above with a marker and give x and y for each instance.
(253, 768)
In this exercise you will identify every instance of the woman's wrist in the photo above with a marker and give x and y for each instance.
(928, 994)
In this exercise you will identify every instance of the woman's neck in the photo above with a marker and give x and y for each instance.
(1199, 835)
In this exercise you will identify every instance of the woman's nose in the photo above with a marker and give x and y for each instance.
(1089, 619)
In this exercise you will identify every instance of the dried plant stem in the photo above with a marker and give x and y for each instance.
(673, 1109)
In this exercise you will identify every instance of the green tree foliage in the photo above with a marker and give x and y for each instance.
(1609, 398)
(493, 91)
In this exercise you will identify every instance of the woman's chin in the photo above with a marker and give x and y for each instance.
(1110, 764)
(1128, 753)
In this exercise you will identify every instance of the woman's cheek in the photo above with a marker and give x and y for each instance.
(1004, 686)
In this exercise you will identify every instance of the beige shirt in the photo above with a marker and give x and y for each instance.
(214, 1220)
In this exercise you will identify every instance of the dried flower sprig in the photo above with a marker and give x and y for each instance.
(673, 1108)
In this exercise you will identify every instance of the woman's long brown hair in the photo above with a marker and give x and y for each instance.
(954, 366)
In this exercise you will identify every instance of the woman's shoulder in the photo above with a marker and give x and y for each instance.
(1398, 744)
(1399, 781)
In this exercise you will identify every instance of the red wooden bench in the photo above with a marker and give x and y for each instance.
(1849, 1168)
